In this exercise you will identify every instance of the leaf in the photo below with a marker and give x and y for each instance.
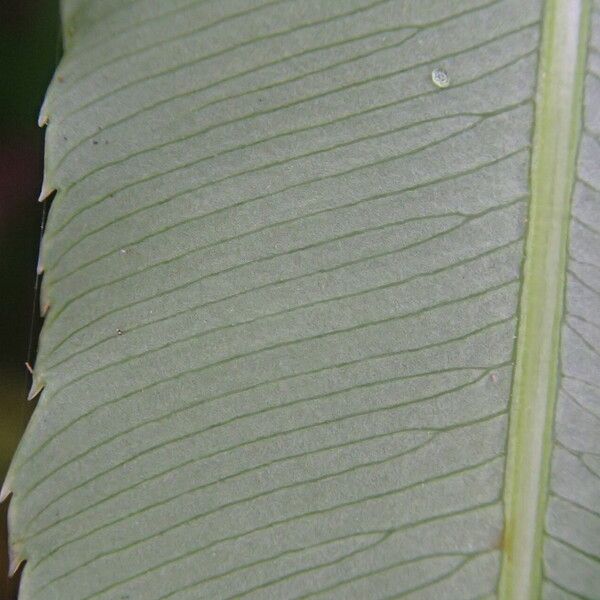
(291, 280)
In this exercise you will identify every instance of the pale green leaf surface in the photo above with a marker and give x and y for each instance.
(283, 271)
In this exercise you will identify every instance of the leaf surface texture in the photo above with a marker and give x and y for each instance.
(284, 274)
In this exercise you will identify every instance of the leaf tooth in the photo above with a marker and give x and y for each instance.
(45, 301)
(47, 191)
(44, 308)
(15, 558)
(6, 490)
(44, 117)
(36, 387)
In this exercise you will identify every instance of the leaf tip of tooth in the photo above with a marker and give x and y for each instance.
(14, 561)
(36, 387)
(5, 492)
(46, 192)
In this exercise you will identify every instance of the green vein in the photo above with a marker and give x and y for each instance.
(284, 378)
(444, 575)
(296, 102)
(560, 541)
(267, 36)
(458, 471)
(476, 118)
(262, 494)
(283, 433)
(556, 138)
(186, 285)
(470, 218)
(287, 58)
(283, 344)
(198, 334)
(133, 32)
(333, 176)
(225, 396)
(382, 537)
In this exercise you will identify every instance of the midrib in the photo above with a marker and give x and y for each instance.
(555, 141)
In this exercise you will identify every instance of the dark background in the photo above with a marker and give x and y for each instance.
(29, 51)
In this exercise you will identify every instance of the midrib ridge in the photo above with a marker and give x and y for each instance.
(555, 141)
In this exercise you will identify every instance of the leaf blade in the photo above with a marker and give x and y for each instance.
(277, 359)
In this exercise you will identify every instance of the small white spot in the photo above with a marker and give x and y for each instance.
(440, 78)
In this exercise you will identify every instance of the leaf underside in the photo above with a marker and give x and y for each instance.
(284, 273)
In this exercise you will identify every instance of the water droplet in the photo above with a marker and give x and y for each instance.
(440, 78)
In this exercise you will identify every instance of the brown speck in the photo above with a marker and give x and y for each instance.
(60, 78)
(500, 542)
(95, 142)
